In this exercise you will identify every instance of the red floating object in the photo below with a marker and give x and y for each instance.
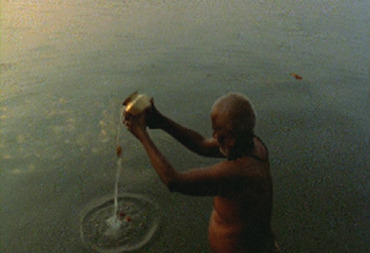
(118, 150)
(128, 218)
(296, 76)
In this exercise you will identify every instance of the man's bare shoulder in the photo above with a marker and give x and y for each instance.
(244, 167)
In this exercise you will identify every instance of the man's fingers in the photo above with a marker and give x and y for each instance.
(127, 115)
(127, 123)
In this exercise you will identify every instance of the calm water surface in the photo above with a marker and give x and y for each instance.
(66, 66)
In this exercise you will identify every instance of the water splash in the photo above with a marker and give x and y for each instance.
(136, 223)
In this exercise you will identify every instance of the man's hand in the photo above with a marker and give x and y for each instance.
(135, 124)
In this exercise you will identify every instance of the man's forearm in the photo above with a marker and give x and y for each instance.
(163, 168)
(189, 138)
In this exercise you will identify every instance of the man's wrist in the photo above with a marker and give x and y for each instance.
(143, 135)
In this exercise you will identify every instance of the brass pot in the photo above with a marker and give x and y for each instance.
(136, 103)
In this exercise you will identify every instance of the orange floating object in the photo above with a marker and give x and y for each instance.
(118, 150)
(296, 76)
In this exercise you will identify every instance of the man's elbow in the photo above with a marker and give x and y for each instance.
(183, 189)
(173, 185)
(178, 184)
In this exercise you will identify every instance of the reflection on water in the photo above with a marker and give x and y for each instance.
(65, 67)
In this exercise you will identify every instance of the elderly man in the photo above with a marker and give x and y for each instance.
(241, 185)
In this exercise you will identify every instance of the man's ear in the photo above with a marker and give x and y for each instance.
(230, 140)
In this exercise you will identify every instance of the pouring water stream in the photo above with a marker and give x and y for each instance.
(114, 221)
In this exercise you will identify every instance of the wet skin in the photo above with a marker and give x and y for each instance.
(241, 185)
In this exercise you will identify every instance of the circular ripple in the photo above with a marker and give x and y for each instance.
(136, 221)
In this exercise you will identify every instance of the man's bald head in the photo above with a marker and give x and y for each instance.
(236, 112)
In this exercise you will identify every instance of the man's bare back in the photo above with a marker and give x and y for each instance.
(240, 221)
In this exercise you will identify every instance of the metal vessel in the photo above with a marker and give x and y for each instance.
(136, 103)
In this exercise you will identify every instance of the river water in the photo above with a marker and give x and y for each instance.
(67, 65)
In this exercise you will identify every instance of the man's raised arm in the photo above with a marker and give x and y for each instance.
(187, 137)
